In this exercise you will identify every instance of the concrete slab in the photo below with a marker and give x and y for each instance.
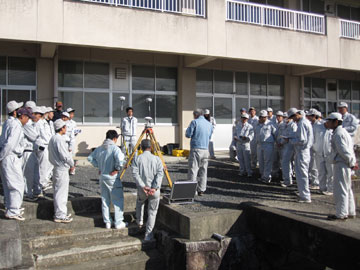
(10, 244)
(198, 225)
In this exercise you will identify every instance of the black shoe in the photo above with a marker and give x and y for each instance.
(200, 193)
(334, 218)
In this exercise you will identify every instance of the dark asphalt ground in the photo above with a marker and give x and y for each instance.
(225, 190)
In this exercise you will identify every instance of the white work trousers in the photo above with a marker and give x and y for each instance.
(265, 158)
(130, 142)
(302, 161)
(276, 161)
(244, 157)
(44, 165)
(325, 173)
(153, 205)
(14, 180)
(343, 194)
(61, 191)
(30, 170)
(253, 148)
(286, 163)
(112, 192)
(313, 172)
(198, 164)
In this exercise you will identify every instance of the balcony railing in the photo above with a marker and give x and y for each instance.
(189, 7)
(350, 29)
(274, 17)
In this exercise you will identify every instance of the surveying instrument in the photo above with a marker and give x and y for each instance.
(122, 140)
(155, 148)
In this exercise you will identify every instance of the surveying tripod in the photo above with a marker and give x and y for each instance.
(148, 131)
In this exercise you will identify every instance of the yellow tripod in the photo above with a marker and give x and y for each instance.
(148, 131)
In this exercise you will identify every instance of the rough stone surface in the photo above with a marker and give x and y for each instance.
(10, 244)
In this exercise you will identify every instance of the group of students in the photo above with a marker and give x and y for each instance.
(321, 152)
(36, 154)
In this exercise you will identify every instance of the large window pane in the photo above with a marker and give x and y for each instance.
(223, 82)
(17, 95)
(166, 109)
(166, 79)
(332, 107)
(141, 107)
(307, 105)
(276, 85)
(343, 12)
(22, 71)
(356, 109)
(117, 113)
(241, 83)
(317, 6)
(73, 100)
(355, 14)
(332, 90)
(307, 87)
(96, 75)
(276, 105)
(258, 84)
(356, 90)
(204, 103)
(278, 3)
(223, 110)
(318, 88)
(2, 70)
(241, 103)
(143, 78)
(204, 81)
(96, 107)
(258, 104)
(345, 90)
(320, 106)
(70, 74)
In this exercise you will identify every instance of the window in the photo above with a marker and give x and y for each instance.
(96, 75)
(324, 95)
(159, 83)
(230, 92)
(17, 81)
(70, 74)
(73, 100)
(96, 107)
(348, 13)
(117, 113)
(314, 6)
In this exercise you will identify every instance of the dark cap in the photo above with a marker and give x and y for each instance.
(25, 111)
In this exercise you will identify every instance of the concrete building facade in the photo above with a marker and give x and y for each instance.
(222, 55)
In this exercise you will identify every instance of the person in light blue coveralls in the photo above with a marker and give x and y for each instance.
(199, 131)
(109, 159)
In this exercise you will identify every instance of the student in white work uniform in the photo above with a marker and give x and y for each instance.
(148, 172)
(128, 129)
(271, 116)
(311, 115)
(11, 163)
(280, 127)
(61, 159)
(253, 120)
(350, 122)
(212, 120)
(41, 148)
(244, 134)
(71, 128)
(30, 163)
(302, 141)
(11, 107)
(344, 161)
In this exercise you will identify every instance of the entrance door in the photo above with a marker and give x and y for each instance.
(223, 111)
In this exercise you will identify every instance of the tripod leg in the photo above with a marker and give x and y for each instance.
(132, 154)
(158, 151)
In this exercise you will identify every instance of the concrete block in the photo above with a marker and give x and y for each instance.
(10, 244)
(198, 225)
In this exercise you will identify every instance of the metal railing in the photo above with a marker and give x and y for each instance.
(189, 7)
(349, 29)
(264, 15)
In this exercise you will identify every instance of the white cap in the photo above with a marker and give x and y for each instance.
(58, 124)
(279, 113)
(342, 105)
(49, 109)
(311, 112)
(285, 115)
(334, 116)
(38, 109)
(207, 111)
(30, 104)
(66, 114)
(269, 109)
(245, 115)
(263, 113)
(13, 105)
(292, 111)
(69, 110)
(319, 114)
(44, 109)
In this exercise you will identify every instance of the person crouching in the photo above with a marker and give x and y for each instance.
(148, 173)
(109, 159)
(61, 159)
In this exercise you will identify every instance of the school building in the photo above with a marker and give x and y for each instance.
(221, 55)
